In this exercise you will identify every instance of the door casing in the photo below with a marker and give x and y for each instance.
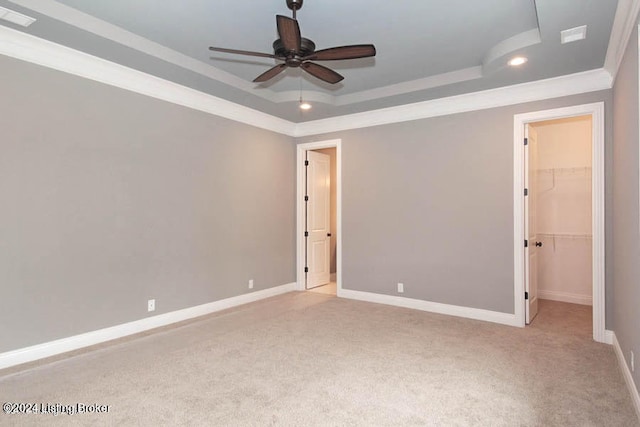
(301, 149)
(596, 111)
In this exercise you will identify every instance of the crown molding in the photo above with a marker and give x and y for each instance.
(623, 25)
(32, 49)
(93, 25)
(573, 84)
(425, 83)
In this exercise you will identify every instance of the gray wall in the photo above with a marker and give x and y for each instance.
(626, 238)
(430, 203)
(110, 198)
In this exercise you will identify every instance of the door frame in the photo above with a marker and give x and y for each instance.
(596, 111)
(301, 149)
(532, 301)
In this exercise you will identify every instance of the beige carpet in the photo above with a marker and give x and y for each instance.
(306, 359)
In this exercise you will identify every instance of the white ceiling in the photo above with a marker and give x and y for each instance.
(427, 49)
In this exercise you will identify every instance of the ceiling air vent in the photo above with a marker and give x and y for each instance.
(573, 34)
(16, 17)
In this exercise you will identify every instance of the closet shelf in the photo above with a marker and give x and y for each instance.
(565, 235)
(565, 171)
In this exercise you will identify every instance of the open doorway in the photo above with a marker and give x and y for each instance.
(318, 255)
(558, 226)
(559, 212)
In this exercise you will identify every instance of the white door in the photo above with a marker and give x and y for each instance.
(530, 220)
(318, 219)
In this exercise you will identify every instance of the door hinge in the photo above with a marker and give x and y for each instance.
(306, 234)
(526, 191)
(306, 162)
(526, 141)
(306, 198)
(526, 295)
(526, 243)
(306, 269)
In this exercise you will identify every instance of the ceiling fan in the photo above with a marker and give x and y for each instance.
(297, 51)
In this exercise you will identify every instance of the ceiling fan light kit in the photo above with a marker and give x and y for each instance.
(304, 105)
(296, 51)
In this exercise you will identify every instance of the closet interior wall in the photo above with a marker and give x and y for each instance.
(564, 210)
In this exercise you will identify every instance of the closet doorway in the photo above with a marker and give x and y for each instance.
(559, 211)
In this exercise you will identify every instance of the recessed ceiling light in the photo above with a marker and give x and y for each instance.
(16, 17)
(305, 106)
(573, 34)
(517, 61)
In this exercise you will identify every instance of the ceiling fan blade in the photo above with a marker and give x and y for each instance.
(322, 72)
(243, 52)
(343, 52)
(270, 73)
(289, 32)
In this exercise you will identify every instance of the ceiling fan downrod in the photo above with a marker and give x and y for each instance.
(294, 5)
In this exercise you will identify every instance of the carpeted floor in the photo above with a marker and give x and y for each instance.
(307, 359)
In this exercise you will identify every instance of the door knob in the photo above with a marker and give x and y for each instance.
(539, 244)
(328, 234)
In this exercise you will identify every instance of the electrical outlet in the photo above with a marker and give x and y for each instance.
(251, 284)
(151, 305)
(633, 368)
(400, 288)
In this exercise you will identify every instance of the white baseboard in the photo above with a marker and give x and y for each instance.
(608, 337)
(626, 373)
(565, 297)
(52, 348)
(433, 307)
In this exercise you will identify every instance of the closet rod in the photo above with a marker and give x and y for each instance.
(565, 170)
(566, 235)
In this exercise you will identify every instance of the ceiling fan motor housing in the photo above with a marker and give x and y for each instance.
(307, 47)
